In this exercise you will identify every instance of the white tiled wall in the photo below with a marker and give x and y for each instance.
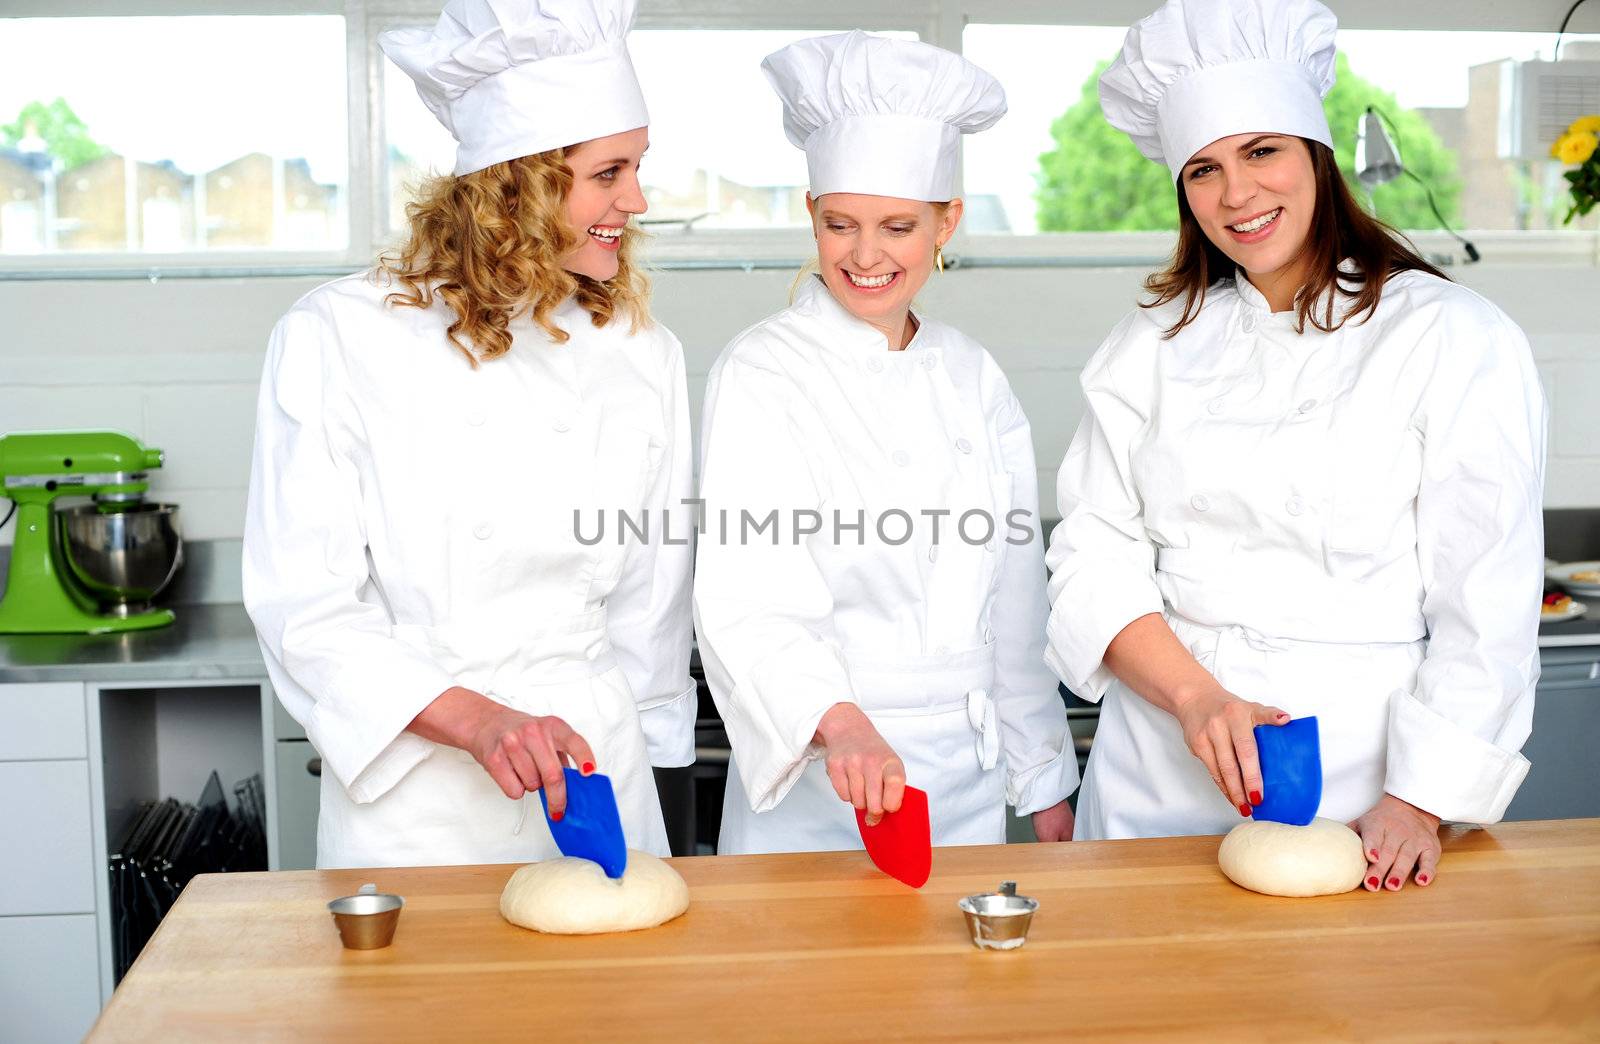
(177, 362)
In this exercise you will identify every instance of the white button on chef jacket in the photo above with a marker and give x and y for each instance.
(1430, 463)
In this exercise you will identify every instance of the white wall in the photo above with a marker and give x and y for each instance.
(177, 362)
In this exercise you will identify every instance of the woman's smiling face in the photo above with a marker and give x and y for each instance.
(605, 194)
(876, 252)
(1254, 196)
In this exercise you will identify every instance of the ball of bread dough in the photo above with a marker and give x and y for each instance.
(569, 896)
(1323, 857)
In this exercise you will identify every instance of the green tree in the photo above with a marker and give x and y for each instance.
(65, 135)
(1096, 179)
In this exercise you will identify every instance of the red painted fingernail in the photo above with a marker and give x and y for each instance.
(1394, 882)
(1255, 797)
(588, 767)
(1373, 852)
(1244, 810)
(557, 816)
(1422, 879)
(1372, 882)
(1282, 715)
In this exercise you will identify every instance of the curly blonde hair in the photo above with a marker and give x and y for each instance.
(490, 244)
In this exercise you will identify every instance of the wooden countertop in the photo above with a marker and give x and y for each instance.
(1133, 938)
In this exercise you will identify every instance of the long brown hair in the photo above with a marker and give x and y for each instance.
(490, 244)
(1340, 230)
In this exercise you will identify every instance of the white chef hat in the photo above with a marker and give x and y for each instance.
(1200, 70)
(511, 78)
(881, 117)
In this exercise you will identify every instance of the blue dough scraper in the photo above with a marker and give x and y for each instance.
(590, 828)
(1291, 771)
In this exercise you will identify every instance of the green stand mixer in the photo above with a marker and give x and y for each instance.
(85, 568)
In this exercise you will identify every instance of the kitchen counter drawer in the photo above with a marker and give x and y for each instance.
(42, 720)
(50, 988)
(46, 835)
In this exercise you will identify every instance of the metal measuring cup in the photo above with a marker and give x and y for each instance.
(999, 920)
(366, 920)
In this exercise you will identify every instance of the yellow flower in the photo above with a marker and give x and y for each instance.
(1590, 124)
(1576, 147)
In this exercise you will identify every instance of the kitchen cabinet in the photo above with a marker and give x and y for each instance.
(50, 975)
(77, 759)
(50, 989)
(48, 824)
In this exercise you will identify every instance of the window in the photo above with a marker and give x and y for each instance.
(718, 157)
(1054, 165)
(172, 135)
(185, 141)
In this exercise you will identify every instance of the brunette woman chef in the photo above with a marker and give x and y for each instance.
(1331, 501)
(848, 662)
(424, 602)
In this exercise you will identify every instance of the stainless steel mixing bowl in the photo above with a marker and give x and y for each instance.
(122, 555)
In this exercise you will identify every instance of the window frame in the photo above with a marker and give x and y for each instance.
(936, 21)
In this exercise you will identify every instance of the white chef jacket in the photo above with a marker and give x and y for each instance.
(414, 523)
(1342, 524)
(939, 639)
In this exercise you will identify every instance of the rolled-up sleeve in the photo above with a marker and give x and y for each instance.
(648, 614)
(1102, 563)
(1454, 742)
(332, 656)
(1041, 764)
(763, 610)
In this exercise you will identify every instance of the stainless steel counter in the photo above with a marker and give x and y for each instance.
(206, 641)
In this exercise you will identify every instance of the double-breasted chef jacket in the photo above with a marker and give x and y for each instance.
(415, 523)
(938, 638)
(1342, 524)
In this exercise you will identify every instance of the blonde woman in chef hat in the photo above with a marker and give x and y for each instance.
(429, 431)
(889, 630)
(1308, 481)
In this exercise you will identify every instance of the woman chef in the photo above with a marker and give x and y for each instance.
(428, 433)
(1308, 480)
(890, 629)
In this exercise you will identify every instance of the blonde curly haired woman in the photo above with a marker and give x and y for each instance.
(430, 433)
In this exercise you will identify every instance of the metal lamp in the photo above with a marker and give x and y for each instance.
(1377, 160)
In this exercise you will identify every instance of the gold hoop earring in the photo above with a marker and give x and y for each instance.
(938, 257)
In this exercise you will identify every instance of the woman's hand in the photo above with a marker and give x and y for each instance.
(864, 769)
(1398, 837)
(521, 753)
(1053, 823)
(1216, 726)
